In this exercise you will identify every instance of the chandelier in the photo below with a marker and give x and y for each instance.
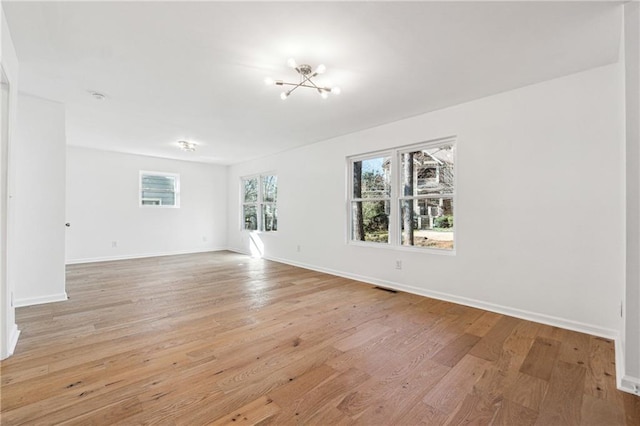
(187, 146)
(306, 74)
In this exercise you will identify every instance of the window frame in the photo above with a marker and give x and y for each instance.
(259, 204)
(351, 199)
(396, 196)
(176, 190)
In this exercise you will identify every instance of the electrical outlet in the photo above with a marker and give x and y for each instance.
(204, 239)
(114, 244)
(298, 248)
(398, 264)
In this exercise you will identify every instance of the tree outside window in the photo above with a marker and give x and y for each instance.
(371, 200)
(259, 198)
(404, 197)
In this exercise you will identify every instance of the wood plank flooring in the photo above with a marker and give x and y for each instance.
(220, 338)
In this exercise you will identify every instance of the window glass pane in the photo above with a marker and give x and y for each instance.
(370, 221)
(250, 190)
(269, 217)
(371, 178)
(269, 189)
(428, 171)
(158, 198)
(427, 222)
(250, 215)
(158, 190)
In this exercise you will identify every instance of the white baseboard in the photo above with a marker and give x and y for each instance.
(13, 340)
(30, 301)
(138, 256)
(630, 384)
(474, 303)
(624, 383)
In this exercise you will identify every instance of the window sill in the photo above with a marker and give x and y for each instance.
(412, 249)
(249, 231)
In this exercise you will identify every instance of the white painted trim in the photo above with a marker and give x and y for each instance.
(624, 382)
(13, 340)
(60, 297)
(140, 256)
(505, 310)
(620, 362)
(630, 384)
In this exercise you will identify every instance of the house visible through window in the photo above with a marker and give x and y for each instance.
(159, 189)
(404, 196)
(259, 198)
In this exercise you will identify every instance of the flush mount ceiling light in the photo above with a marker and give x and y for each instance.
(306, 73)
(97, 96)
(187, 146)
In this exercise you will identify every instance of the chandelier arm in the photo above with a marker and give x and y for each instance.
(314, 85)
(295, 86)
(308, 78)
(284, 83)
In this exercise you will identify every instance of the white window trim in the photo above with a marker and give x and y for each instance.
(395, 234)
(176, 192)
(259, 203)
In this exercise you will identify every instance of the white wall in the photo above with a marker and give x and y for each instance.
(37, 251)
(9, 63)
(102, 207)
(631, 337)
(539, 214)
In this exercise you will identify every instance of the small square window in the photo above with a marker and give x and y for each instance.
(159, 189)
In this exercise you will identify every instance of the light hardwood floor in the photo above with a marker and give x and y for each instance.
(225, 339)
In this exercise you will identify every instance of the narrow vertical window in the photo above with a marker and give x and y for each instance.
(250, 203)
(426, 197)
(371, 199)
(269, 207)
(259, 203)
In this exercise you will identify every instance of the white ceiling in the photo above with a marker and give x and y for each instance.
(195, 71)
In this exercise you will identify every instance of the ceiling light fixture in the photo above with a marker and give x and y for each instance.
(97, 96)
(306, 74)
(187, 146)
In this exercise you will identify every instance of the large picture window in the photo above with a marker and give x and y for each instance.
(404, 196)
(159, 189)
(259, 198)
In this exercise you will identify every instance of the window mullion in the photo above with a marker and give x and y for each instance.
(259, 206)
(394, 224)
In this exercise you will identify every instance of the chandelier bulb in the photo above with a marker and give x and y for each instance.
(292, 63)
(321, 69)
(269, 81)
(284, 95)
(336, 90)
(323, 93)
